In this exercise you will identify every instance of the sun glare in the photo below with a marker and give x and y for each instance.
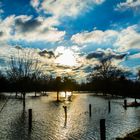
(68, 93)
(67, 59)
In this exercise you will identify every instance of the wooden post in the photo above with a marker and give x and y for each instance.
(90, 110)
(30, 119)
(57, 95)
(109, 107)
(24, 100)
(135, 100)
(65, 110)
(102, 129)
(125, 104)
(65, 94)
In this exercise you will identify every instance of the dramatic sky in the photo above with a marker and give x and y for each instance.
(69, 37)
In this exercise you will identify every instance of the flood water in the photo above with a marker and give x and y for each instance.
(49, 122)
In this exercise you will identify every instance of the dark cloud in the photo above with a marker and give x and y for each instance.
(88, 69)
(120, 56)
(106, 55)
(45, 53)
(95, 55)
(18, 47)
(1, 33)
(63, 67)
(77, 68)
(29, 25)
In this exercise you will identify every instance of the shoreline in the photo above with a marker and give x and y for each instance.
(131, 136)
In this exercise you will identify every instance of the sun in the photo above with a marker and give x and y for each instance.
(67, 58)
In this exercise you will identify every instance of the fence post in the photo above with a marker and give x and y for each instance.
(125, 104)
(65, 110)
(109, 107)
(90, 110)
(135, 100)
(30, 119)
(102, 129)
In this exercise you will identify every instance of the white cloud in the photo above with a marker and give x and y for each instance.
(96, 36)
(5, 29)
(59, 8)
(135, 56)
(26, 28)
(35, 3)
(128, 38)
(120, 40)
(134, 4)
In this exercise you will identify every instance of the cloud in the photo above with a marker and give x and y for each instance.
(26, 24)
(121, 40)
(97, 54)
(128, 4)
(48, 54)
(27, 28)
(106, 54)
(46, 58)
(5, 29)
(128, 38)
(18, 47)
(59, 8)
(95, 36)
(137, 55)
(35, 4)
(36, 29)
(1, 33)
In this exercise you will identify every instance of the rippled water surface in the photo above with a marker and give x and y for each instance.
(49, 122)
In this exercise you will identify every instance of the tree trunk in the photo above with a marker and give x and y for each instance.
(135, 100)
(57, 95)
(16, 94)
(65, 94)
(71, 93)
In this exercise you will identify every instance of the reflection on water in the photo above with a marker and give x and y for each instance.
(49, 119)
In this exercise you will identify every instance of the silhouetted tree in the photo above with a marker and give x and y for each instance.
(104, 75)
(138, 75)
(69, 84)
(3, 83)
(58, 85)
(23, 71)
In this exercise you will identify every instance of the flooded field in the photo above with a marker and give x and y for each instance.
(49, 122)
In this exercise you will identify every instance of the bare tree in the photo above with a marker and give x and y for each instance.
(105, 70)
(138, 75)
(104, 74)
(23, 70)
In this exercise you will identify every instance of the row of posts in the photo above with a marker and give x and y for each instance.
(102, 121)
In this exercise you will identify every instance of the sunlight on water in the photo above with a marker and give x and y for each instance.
(67, 94)
(49, 121)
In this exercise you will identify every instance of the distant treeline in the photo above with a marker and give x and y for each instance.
(119, 86)
(44, 83)
(25, 75)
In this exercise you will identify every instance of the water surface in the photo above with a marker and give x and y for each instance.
(49, 122)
